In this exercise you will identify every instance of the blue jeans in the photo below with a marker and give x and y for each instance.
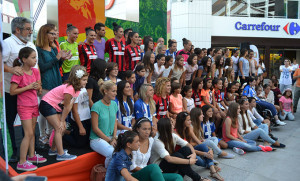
(257, 122)
(289, 115)
(259, 132)
(269, 106)
(212, 142)
(204, 162)
(249, 146)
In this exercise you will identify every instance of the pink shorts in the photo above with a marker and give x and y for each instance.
(28, 112)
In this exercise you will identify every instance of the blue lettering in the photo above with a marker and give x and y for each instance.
(257, 27)
(277, 27)
(236, 25)
(267, 27)
(244, 27)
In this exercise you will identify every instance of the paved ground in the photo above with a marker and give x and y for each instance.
(282, 164)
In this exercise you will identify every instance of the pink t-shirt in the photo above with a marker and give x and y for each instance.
(190, 70)
(286, 103)
(177, 103)
(29, 97)
(56, 95)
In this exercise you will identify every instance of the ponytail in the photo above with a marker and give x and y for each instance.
(123, 139)
(23, 53)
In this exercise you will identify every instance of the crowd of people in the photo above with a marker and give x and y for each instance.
(151, 111)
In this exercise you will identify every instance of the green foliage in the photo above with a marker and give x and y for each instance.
(153, 19)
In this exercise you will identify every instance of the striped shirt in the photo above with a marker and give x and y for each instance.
(132, 56)
(87, 54)
(116, 51)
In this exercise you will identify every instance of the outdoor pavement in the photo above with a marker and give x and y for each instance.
(282, 164)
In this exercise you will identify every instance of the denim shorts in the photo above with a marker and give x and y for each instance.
(46, 109)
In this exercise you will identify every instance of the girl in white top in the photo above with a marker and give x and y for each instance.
(268, 96)
(163, 152)
(158, 67)
(253, 63)
(188, 101)
(285, 80)
(178, 71)
(140, 158)
(168, 66)
(191, 68)
(261, 67)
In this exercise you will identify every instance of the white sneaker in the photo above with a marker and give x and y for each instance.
(280, 123)
(238, 151)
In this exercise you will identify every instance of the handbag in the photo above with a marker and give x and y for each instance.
(98, 173)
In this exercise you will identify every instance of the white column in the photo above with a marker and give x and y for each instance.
(248, 8)
(266, 8)
(228, 7)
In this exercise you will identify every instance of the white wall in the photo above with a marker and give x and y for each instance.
(124, 9)
(191, 20)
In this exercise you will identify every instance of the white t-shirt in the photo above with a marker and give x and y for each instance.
(159, 151)
(140, 159)
(190, 103)
(295, 66)
(167, 71)
(286, 75)
(11, 48)
(157, 72)
(83, 105)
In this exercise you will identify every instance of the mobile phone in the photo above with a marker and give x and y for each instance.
(36, 178)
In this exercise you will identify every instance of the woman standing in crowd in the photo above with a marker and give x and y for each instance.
(145, 106)
(159, 68)
(178, 71)
(170, 161)
(252, 63)
(185, 52)
(162, 98)
(168, 66)
(132, 51)
(148, 61)
(205, 68)
(49, 63)
(250, 131)
(97, 72)
(149, 45)
(235, 59)
(244, 68)
(125, 107)
(70, 45)
(115, 47)
(104, 122)
(218, 67)
(172, 45)
(285, 80)
(191, 68)
(26, 87)
(87, 51)
(112, 72)
(57, 104)
(183, 129)
(197, 89)
(141, 157)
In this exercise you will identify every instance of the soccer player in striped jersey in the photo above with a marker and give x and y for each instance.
(132, 51)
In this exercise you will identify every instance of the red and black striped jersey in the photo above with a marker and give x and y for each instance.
(87, 54)
(218, 96)
(162, 106)
(116, 51)
(197, 98)
(132, 56)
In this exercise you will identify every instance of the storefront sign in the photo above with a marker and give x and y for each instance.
(294, 27)
(256, 27)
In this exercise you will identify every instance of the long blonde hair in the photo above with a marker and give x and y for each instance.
(143, 96)
(228, 75)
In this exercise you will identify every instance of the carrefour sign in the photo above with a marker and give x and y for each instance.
(289, 28)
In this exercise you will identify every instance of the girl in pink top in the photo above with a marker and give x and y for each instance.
(286, 105)
(185, 52)
(26, 87)
(56, 105)
(233, 138)
(176, 105)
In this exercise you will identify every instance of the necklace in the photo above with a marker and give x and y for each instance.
(108, 103)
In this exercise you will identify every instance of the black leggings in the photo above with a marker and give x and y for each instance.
(182, 169)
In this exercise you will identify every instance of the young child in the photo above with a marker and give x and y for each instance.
(191, 69)
(231, 95)
(197, 87)
(168, 66)
(228, 63)
(276, 90)
(178, 71)
(140, 72)
(286, 105)
(218, 86)
(176, 105)
(158, 68)
(148, 61)
(26, 87)
(224, 89)
(188, 101)
(57, 104)
(230, 75)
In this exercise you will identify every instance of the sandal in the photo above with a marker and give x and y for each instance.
(216, 176)
(204, 179)
(218, 169)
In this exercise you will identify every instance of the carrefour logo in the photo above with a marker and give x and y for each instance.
(292, 28)
(256, 27)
